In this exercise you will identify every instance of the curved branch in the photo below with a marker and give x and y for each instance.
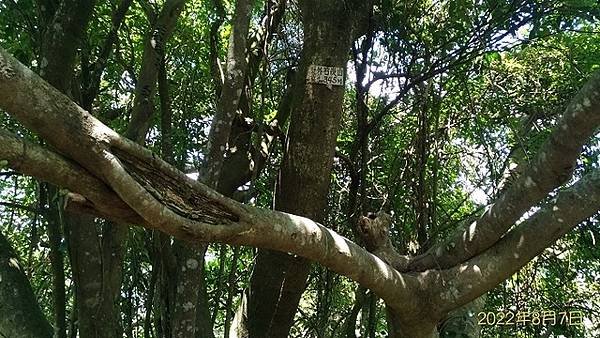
(169, 201)
(228, 221)
(31, 159)
(551, 168)
(571, 206)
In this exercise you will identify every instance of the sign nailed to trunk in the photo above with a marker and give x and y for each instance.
(329, 76)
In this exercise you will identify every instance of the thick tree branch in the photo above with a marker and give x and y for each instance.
(571, 206)
(375, 233)
(551, 168)
(169, 201)
(31, 159)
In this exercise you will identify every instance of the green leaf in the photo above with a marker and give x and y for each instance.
(492, 56)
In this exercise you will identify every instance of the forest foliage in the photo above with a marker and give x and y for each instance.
(456, 95)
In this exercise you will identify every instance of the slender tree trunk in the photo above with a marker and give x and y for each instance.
(231, 290)
(154, 51)
(62, 37)
(96, 251)
(188, 283)
(49, 195)
(357, 163)
(181, 265)
(164, 262)
(231, 91)
(149, 300)
(421, 189)
(191, 309)
(372, 322)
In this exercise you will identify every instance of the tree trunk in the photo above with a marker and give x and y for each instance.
(64, 31)
(20, 314)
(97, 271)
(192, 316)
(189, 281)
(231, 90)
(279, 280)
(154, 49)
(96, 251)
(62, 37)
(49, 195)
(400, 328)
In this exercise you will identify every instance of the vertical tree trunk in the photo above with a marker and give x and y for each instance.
(65, 26)
(20, 314)
(401, 328)
(360, 295)
(96, 251)
(154, 51)
(279, 280)
(191, 309)
(164, 262)
(231, 290)
(372, 322)
(49, 195)
(188, 280)
(97, 270)
(420, 186)
(235, 75)
(180, 266)
(62, 37)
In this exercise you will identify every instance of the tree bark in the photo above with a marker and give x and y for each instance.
(59, 50)
(374, 230)
(91, 88)
(20, 314)
(60, 43)
(97, 267)
(231, 90)
(183, 261)
(278, 279)
(463, 322)
(154, 49)
(164, 262)
(49, 195)
(191, 309)
(399, 327)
